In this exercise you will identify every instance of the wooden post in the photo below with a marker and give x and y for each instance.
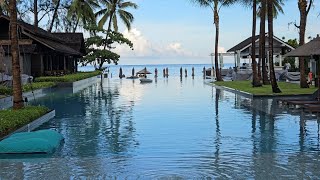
(64, 63)
(204, 72)
(186, 72)
(192, 72)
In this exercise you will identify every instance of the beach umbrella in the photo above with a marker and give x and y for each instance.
(120, 73)
(156, 72)
(132, 71)
(181, 72)
(192, 71)
(144, 71)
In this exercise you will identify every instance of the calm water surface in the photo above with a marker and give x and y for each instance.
(170, 130)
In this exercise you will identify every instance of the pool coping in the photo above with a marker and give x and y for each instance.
(79, 85)
(34, 124)
(29, 95)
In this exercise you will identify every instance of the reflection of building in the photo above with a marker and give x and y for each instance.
(41, 52)
(243, 49)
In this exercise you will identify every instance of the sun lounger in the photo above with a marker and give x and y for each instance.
(312, 108)
(285, 101)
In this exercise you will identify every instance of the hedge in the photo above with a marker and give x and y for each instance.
(68, 78)
(11, 120)
(27, 87)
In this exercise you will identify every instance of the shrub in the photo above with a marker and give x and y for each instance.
(37, 85)
(7, 91)
(11, 120)
(68, 78)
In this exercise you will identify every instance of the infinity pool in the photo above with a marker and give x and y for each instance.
(171, 129)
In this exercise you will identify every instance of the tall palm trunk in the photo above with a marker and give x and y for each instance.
(216, 48)
(255, 78)
(17, 90)
(262, 43)
(35, 13)
(275, 88)
(55, 13)
(109, 24)
(302, 31)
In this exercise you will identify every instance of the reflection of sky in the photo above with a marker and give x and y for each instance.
(171, 129)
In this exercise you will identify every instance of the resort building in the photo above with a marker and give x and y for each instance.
(41, 52)
(243, 50)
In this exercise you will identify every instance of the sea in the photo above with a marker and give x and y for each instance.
(174, 69)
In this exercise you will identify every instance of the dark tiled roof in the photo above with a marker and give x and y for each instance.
(242, 44)
(311, 48)
(54, 45)
(74, 40)
(47, 39)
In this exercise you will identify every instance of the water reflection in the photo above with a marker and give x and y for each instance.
(172, 129)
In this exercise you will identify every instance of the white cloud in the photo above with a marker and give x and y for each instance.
(145, 48)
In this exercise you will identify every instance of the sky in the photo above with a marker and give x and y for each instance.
(181, 32)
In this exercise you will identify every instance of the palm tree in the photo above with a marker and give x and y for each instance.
(17, 90)
(304, 9)
(215, 6)
(255, 78)
(275, 88)
(262, 13)
(114, 8)
(82, 10)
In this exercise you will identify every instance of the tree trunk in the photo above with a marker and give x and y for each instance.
(302, 31)
(262, 43)
(75, 27)
(35, 9)
(275, 88)
(55, 13)
(109, 26)
(17, 90)
(216, 46)
(255, 78)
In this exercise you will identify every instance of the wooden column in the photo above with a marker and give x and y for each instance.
(64, 63)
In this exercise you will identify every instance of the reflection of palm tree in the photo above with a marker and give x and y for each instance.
(217, 140)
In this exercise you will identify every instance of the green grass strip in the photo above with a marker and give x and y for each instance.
(286, 88)
(68, 78)
(11, 120)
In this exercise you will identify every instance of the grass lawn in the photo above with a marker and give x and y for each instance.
(11, 120)
(68, 78)
(286, 88)
(5, 91)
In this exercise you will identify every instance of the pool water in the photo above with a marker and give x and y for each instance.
(171, 129)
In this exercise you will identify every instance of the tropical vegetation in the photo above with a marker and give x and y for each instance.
(11, 120)
(68, 78)
(4, 90)
(100, 18)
